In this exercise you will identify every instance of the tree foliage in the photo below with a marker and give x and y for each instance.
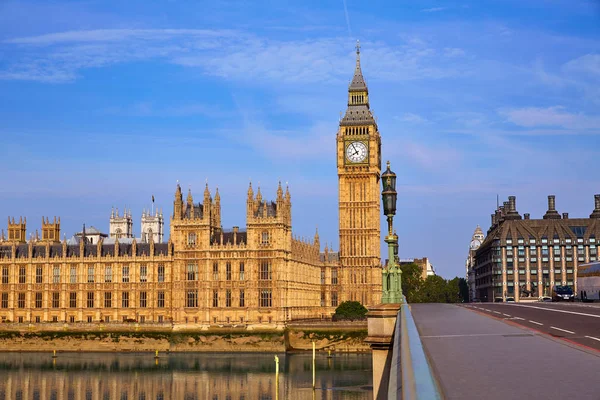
(433, 289)
(411, 281)
(350, 310)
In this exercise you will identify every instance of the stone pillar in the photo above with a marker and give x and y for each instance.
(381, 324)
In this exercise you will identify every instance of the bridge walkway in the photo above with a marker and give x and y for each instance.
(474, 356)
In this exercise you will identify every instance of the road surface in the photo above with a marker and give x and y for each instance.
(574, 322)
(476, 356)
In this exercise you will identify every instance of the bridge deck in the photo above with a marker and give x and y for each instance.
(478, 357)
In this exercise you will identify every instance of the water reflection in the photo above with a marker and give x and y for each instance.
(213, 376)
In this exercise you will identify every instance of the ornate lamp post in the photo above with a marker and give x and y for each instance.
(391, 273)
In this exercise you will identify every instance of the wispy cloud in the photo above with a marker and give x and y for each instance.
(61, 57)
(148, 109)
(555, 116)
(347, 19)
(412, 118)
(433, 9)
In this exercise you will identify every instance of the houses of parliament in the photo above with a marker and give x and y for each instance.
(204, 275)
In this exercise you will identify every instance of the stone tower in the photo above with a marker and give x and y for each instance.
(152, 226)
(359, 168)
(51, 230)
(17, 230)
(121, 226)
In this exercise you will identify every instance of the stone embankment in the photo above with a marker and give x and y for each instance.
(141, 338)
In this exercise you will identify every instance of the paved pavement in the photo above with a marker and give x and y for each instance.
(478, 357)
(568, 321)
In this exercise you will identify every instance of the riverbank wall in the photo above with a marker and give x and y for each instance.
(327, 336)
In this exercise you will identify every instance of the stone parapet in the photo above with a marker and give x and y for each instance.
(381, 322)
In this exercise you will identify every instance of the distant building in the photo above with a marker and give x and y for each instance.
(427, 269)
(121, 226)
(524, 257)
(476, 240)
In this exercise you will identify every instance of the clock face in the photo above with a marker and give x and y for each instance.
(475, 244)
(356, 152)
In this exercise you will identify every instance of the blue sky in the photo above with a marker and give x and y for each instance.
(106, 103)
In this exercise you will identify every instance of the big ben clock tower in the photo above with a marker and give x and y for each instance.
(359, 168)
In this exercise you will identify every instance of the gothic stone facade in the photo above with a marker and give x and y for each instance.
(522, 255)
(205, 275)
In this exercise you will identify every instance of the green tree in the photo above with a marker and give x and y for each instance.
(411, 281)
(433, 290)
(464, 290)
(350, 310)
(453, 291)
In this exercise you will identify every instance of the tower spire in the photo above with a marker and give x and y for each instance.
(358, 112)
(358, 81)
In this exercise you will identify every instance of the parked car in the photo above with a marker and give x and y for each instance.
(546, 298)
(562, 293)
(476, 301)
(510, 299)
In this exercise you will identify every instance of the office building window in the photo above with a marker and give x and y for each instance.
(125, 275)
(228, 298)
(143, 299)
(107, 300)
(55, 299)
(4, 275)
(90, 274)
(161, 273)
(265, 273)
(38, 299)
(4, 302)
(22, 274)
(125, 299)
(143, 273)
(108, 274)
(241, 270)
(73, 275)
(322, 276)
(161, 299)
(73, 299)
(334, 276)
(21, 300)
(192, 272)
(215, 298)
(192, 298)
(90, 300)
(39, 274)
(242, 300)
(56, 274)
(323, 299)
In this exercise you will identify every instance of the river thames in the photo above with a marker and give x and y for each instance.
(187, 376)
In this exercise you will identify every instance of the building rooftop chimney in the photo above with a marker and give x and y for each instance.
(565, 215)
(526, 216)
(551, 213)
(512, 213)
(596, 212)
